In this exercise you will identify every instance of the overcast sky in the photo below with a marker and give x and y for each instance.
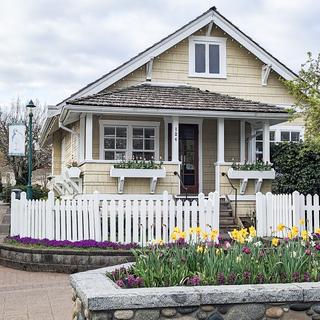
(51, 48)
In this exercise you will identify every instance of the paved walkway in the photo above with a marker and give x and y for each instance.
(34, 295)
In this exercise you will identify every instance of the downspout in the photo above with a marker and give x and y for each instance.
(67, 129)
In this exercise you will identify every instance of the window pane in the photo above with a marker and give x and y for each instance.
(285, 136)
(109, 143)
(272, 135)
(148, 155)
(259, 146)
(295, 136)
(149, 144)
(214, 58)
(259, 157)
(120, 155)
(138, 132)
(149, 132)
(137, 144)
(137, 155)
(109, 131)
(259, 136)
(121, 144)
(200, 57)
(121, 132)
(109, 155)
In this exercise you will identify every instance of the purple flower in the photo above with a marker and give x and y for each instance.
(317, 247)
(246, 250)
(232, 278)
(246, 276)
(120, 283)
(221, 278)
(260, 278)
(306, 277)
(194, 281)
(296, 277)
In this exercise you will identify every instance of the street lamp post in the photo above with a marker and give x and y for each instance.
(29, 107)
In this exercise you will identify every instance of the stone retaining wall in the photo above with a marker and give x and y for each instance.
(60, 260)
(98, 298)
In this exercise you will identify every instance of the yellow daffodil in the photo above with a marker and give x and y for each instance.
(244, 232)
(192, 230)
(213, 234)
(290, 236)
(295, 231)
(159, 242)
(275, 242)
(234, 234)
(252, 231)
(219, 251)
(198, 230)
(317, 231)
(177, 230)
(200, 249)
(174, 236)
(182, 235)
(281, 227)
(305, 235)
(204, 235)
(302, 222)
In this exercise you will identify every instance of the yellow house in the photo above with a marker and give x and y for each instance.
(193, 101)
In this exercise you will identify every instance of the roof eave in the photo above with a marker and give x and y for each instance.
(171, 111)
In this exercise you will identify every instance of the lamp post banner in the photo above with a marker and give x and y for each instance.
(17, 140)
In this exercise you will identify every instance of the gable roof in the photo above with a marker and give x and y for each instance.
(179, 97)
(212, 15)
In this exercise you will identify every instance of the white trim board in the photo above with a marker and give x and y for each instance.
(210, 16)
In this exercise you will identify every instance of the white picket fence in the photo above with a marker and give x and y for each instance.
(124, 221)
(288, 209)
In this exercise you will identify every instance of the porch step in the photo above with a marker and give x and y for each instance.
(227, 221)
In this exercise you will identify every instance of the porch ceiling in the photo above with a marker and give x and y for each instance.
(179, 97)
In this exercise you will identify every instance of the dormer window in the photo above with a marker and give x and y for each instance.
(207, 57)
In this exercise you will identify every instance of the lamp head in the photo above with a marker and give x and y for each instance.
(30, 106)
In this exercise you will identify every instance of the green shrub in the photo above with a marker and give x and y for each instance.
(297, 167)
(38, 192)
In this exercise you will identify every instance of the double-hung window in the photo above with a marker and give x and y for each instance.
(128, 140)
(207, 57)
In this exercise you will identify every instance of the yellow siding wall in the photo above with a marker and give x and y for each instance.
(243, 73)
(96, 177)
(56, 152)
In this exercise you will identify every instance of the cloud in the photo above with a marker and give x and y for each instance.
(50, 49)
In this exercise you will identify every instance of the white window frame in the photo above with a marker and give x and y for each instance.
(130, 125)
(222, 42)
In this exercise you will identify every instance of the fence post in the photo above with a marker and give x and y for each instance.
(165, 215)
(97, 216)
(50, 216)
(215, 214)
(260, 219)
(296, 208)
(15, 213)
(23, 215)
(269, 213)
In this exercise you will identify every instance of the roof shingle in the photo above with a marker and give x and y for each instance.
(173, 97)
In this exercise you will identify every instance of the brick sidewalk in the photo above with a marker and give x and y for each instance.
(34, 295)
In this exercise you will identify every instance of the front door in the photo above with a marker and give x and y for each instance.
(188, 155)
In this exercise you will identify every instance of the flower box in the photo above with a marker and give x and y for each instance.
(73, 172)
(152, 174)
(245, 175)
(251, 174)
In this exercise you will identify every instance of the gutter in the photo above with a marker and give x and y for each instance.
(61, 126)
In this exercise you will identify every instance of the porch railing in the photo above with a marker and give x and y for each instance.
(117, 219)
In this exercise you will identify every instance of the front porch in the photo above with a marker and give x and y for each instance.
(198, 139)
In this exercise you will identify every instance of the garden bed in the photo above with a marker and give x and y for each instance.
(62, 256)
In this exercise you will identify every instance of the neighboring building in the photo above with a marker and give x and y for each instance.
(195, 99)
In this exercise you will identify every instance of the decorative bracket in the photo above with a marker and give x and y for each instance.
(153, 184)
(258, 184)
(120, 184)
(243, 185)
(265, 72)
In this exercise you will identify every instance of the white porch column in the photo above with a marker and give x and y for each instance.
(266, 141)
(89, 136)
(175, 139)
(220, 140)
(242, 141)
(252, 145)
(81, 137)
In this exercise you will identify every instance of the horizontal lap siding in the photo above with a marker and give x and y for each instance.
(243, 73)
